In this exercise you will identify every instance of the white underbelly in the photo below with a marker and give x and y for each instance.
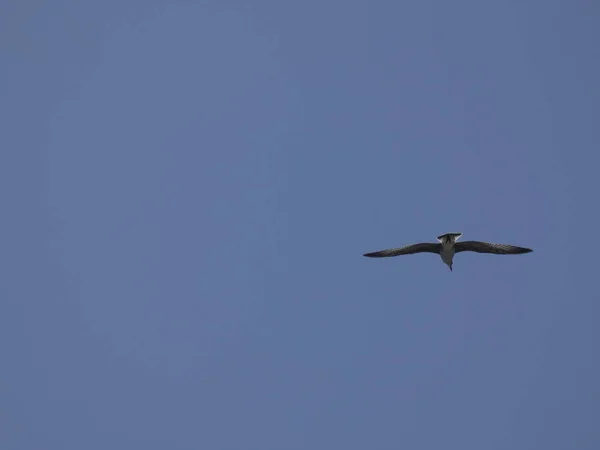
(447, 254)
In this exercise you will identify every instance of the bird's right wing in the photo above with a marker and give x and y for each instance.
(424, 247)
(487, 247)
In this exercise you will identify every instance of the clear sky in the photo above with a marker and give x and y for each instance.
(188, 187)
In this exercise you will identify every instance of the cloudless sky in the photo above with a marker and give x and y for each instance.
(187, 189)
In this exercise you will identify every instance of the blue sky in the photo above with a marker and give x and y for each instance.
(188, 189)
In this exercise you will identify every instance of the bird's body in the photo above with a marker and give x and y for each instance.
(448, 247)
(447, 254)
(447, 242)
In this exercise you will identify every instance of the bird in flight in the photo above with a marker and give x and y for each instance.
(448, 246)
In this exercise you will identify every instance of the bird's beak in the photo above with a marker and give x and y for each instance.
(450, 268)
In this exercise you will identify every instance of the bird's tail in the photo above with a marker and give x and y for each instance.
(449, 237)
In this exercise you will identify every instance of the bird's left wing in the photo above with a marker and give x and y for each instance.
(424, 247)
(487, 247)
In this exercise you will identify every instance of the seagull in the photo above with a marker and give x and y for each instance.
(448, 246)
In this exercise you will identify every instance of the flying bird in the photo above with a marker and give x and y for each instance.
(448, 246)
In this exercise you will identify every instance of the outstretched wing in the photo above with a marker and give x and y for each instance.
(424, 247)
(486, 247)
